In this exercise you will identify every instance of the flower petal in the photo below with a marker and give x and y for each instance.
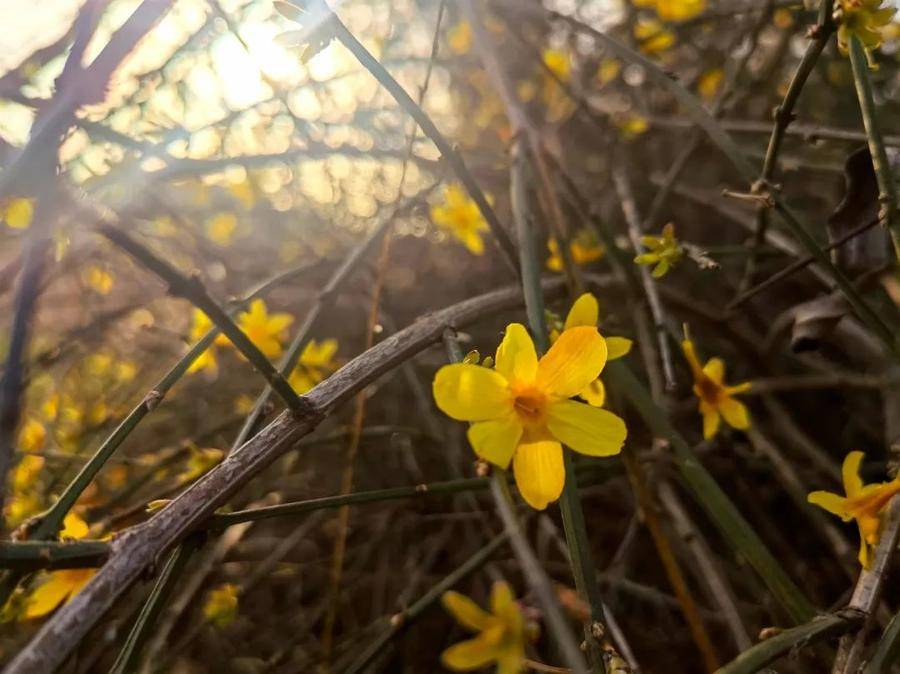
(594, 394)
(690, 354)
(516, 358)
(584, 312)
(73, 527)
(711, 422)
(495, 441)
(501, 597)
(539, 471)
(735, 413)
(48, 596)
(836, 505)
(588, 430)
(471, 392)
(574, 361)
(469, 655)
(715, 370)
(853, 483)
(616, 347)
(465, 611)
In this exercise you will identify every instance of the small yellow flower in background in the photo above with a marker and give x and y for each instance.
(460, 217)
(865, 20)
(585, 311)
(679, 10)
(99, 280)
(608, 70)
(863, 503)
(710, 82)
(220, 228)
(200, 325)
(32, 435)
(200, 462)
(26, 473)
(783, 18)
(60, 586)
(17, 212)
(558, 103)
(243, 404)
(221, 605)
(243, 191)
(559, 63)
(266, 331)
(652, 36)
(522, 412)
(584, 247)
(631, 125)
(460, 38)
(316, 361)
(501, 633)
(716, 398)
(663, 251)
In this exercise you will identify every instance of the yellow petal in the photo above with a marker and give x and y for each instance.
(73, 527)
(465, 611)
(471, 392)
(584, 312)
(539, 471)
(711, 422)
(594, 394)
(469, 655)
(516, 359)
(735, 413)
(48, 596)
(510, 662)
(715, 370)
(836, 505)
(588, 430)
(495, 441)
(690, 354)
(616, 347)
(853, 483)
(574, 361)
(19, 213)
(501, 597)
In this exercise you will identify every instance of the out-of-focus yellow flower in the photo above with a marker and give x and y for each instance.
(585, 311)
(32, 435)
(316, 361)
(663, 251)
(60, 586)
(584, 246)
(679, 10)
(608, 70)
(243, 404)
(501, 633)
(652, 36)
(221, 605)
(460, 38)
(98, 279)
(864, 503)
(200, 325)
(220, 227)
(243, 191)
(710, 82)
(264, 330)
(631, 125)
(557, 102)
(200, 462)
(26, 473)
(783, 18)
(460, 217)
(716, 398)
(864, 20)
(522, 412)
(17, 212)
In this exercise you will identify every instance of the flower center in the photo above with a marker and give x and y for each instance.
(530, 404)
(708, 390)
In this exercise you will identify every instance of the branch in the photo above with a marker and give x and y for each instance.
(34, 555)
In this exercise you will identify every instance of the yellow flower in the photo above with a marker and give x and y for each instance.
(221, 605)
(220, 228)
(200, 325)
(631, 125)
(652, 36)
(664, 251)
(200, 461)
(522, 411)
(265, 331)
(863, 503)
(32, 436)
(460, 216)
(585, 311)
(863, 19)
(679, 10)
(501, 633)
(709, 83)
(608, 70)
(17, 212)
(60, 586)
(243, 191)
(716, 398)
(26, 473)
(460, 38)
(558, 103)
(585, 249)
(315, 362)
(98, 279)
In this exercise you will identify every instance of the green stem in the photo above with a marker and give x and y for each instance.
(710, 496)
(33, 555)
(887, 194)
